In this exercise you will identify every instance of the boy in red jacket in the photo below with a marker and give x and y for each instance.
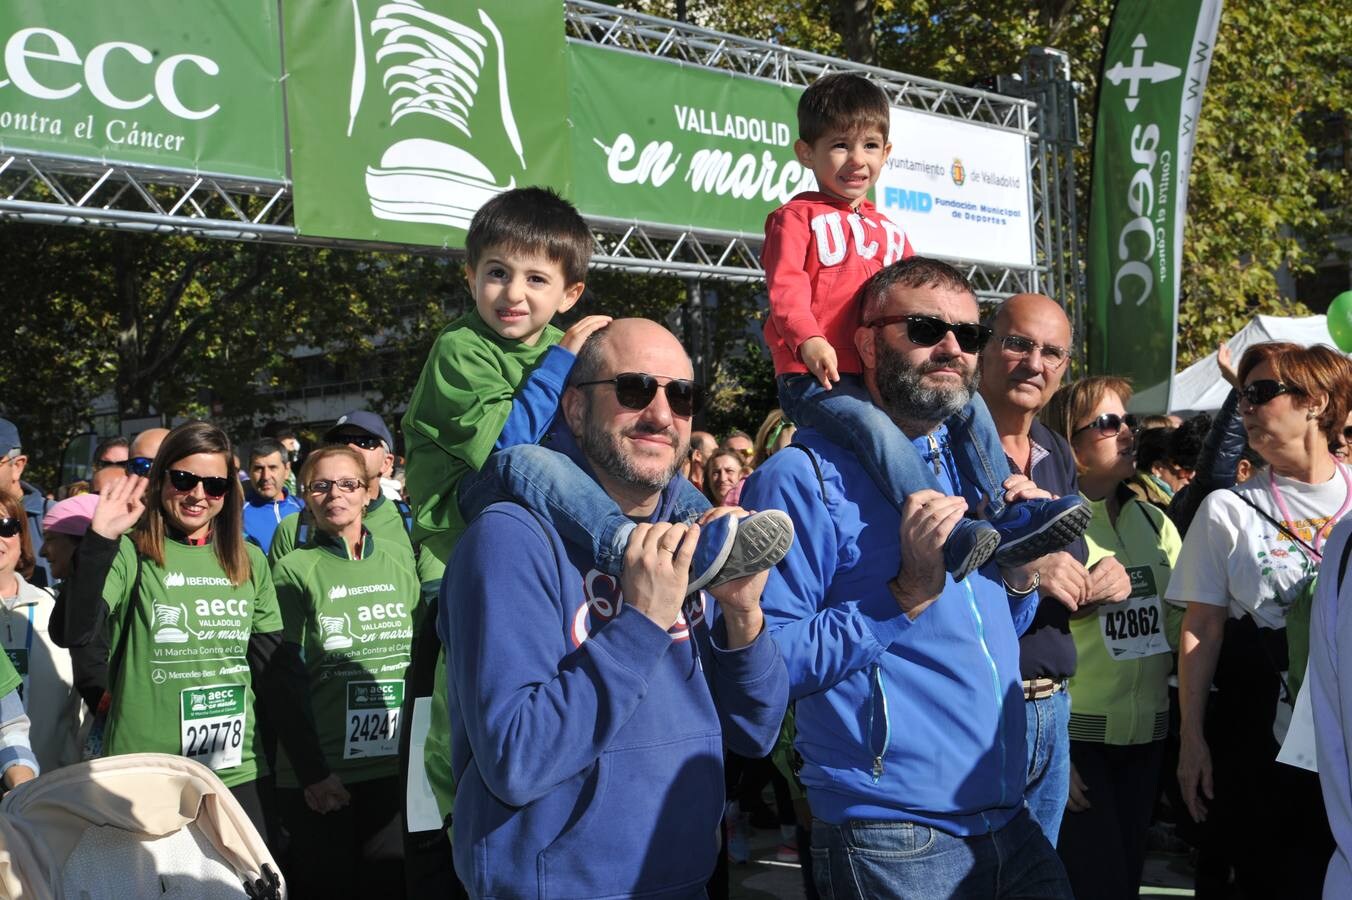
(820, 249)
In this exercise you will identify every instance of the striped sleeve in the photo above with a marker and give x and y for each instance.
(15, 748)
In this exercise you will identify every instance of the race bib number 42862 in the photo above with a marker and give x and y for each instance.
(1134, 628)
(212, 725)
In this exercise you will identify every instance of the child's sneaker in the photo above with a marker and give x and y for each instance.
(731, 548)
(1032, 528)
(969, 546)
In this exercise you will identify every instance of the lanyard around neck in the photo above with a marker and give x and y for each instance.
(1321, 531)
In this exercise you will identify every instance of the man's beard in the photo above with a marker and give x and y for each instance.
(604, 449)
(906, 396)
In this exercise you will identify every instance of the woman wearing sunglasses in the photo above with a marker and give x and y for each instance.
(1119, 694)
(1249, 560)
(189, 609)
(48, 693)
(347, 611)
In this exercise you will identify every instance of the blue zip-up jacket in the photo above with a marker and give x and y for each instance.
(898, 720)
(586, 741)
(262, 516)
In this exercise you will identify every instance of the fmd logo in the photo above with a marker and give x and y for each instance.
(910, 201)
(1137, 72)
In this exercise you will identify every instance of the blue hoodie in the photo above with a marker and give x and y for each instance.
(586, 741)
(262, 516)
(898, 720)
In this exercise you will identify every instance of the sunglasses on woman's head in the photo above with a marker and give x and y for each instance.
(1108, 424)
(183, 482)
(635, 390)
(1265, 390)
(926, 331)
(9, 527)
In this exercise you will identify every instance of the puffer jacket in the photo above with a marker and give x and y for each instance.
(1216, 465)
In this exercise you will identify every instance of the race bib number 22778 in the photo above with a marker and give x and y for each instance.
(212, 725)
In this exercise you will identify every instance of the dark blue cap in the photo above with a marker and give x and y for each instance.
(363, 420)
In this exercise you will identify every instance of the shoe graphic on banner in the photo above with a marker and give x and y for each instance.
(431, 66)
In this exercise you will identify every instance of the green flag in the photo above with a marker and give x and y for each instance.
(1150, 95)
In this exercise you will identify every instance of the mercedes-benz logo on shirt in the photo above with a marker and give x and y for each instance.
(158, 676)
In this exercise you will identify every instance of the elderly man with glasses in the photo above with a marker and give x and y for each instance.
(1021, 367)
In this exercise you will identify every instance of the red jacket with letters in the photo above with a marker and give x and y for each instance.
(818, 253)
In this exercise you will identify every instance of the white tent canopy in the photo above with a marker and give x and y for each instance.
(1200, 388)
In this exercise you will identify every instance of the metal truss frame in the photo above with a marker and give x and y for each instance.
(65, 190)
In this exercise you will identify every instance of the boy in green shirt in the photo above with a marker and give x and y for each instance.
(492, 383)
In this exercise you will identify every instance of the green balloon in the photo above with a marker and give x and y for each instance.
(1340, 321)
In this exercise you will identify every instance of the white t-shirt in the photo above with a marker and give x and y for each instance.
(1234, 557)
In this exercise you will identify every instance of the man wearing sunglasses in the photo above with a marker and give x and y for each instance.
(563, 677)
(906, 682)
(13, 461)
(110, 462)
(1022, 366)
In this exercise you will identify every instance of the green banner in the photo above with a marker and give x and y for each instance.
(661, 142)
(406, 117)
(1154, 73)
(103, 81)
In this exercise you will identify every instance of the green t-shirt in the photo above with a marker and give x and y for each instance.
(455, 416)
(10, 679)
(1120, 687)
(183, 686)
(353, 619)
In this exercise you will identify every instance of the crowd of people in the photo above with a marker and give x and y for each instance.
(979, 628)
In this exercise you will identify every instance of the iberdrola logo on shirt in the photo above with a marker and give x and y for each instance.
(174, 579)
(338, 592)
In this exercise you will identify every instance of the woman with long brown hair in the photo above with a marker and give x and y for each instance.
(189, 608)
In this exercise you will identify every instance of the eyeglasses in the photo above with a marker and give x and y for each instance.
(364, 441)
(926, 331)
(1264, 390)
(635, 390)
(183, 482)
(1108, 425)
(1021, 348)
(139, 465)
(322, 487)
(9, 527)
(101, 464)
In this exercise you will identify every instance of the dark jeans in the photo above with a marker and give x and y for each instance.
(903, 860)
(1270, 815)
(1103, 847)
(333, 854)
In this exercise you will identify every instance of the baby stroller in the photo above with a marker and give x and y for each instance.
(140, 825)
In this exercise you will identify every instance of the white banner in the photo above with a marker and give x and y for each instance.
(960, 190)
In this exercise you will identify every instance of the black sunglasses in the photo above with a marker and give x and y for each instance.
(1108, 424)
(139, 465)
(1264, 390)
(183, 482)
(364, 441)
(9, 527)
(635, 390)
(101, 464)
(926, 331)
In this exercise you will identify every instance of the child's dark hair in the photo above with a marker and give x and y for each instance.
(532, 220)
(844, 102)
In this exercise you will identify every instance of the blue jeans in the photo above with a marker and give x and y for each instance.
(905, 860)
(846, 415)
(550, 483)
(1048, 761)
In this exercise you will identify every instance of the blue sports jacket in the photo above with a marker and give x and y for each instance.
(898, 720)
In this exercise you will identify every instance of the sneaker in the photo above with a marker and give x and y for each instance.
(1032, 528)
(739, 845)
(969, 546)
(736, 548)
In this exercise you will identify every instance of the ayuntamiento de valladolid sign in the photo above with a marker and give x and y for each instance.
(405, 116)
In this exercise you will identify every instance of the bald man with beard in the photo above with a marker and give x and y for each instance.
(1021, 368)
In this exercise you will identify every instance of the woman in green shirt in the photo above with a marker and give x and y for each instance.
(189, 611)
(1119, 693)
(347, 611)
